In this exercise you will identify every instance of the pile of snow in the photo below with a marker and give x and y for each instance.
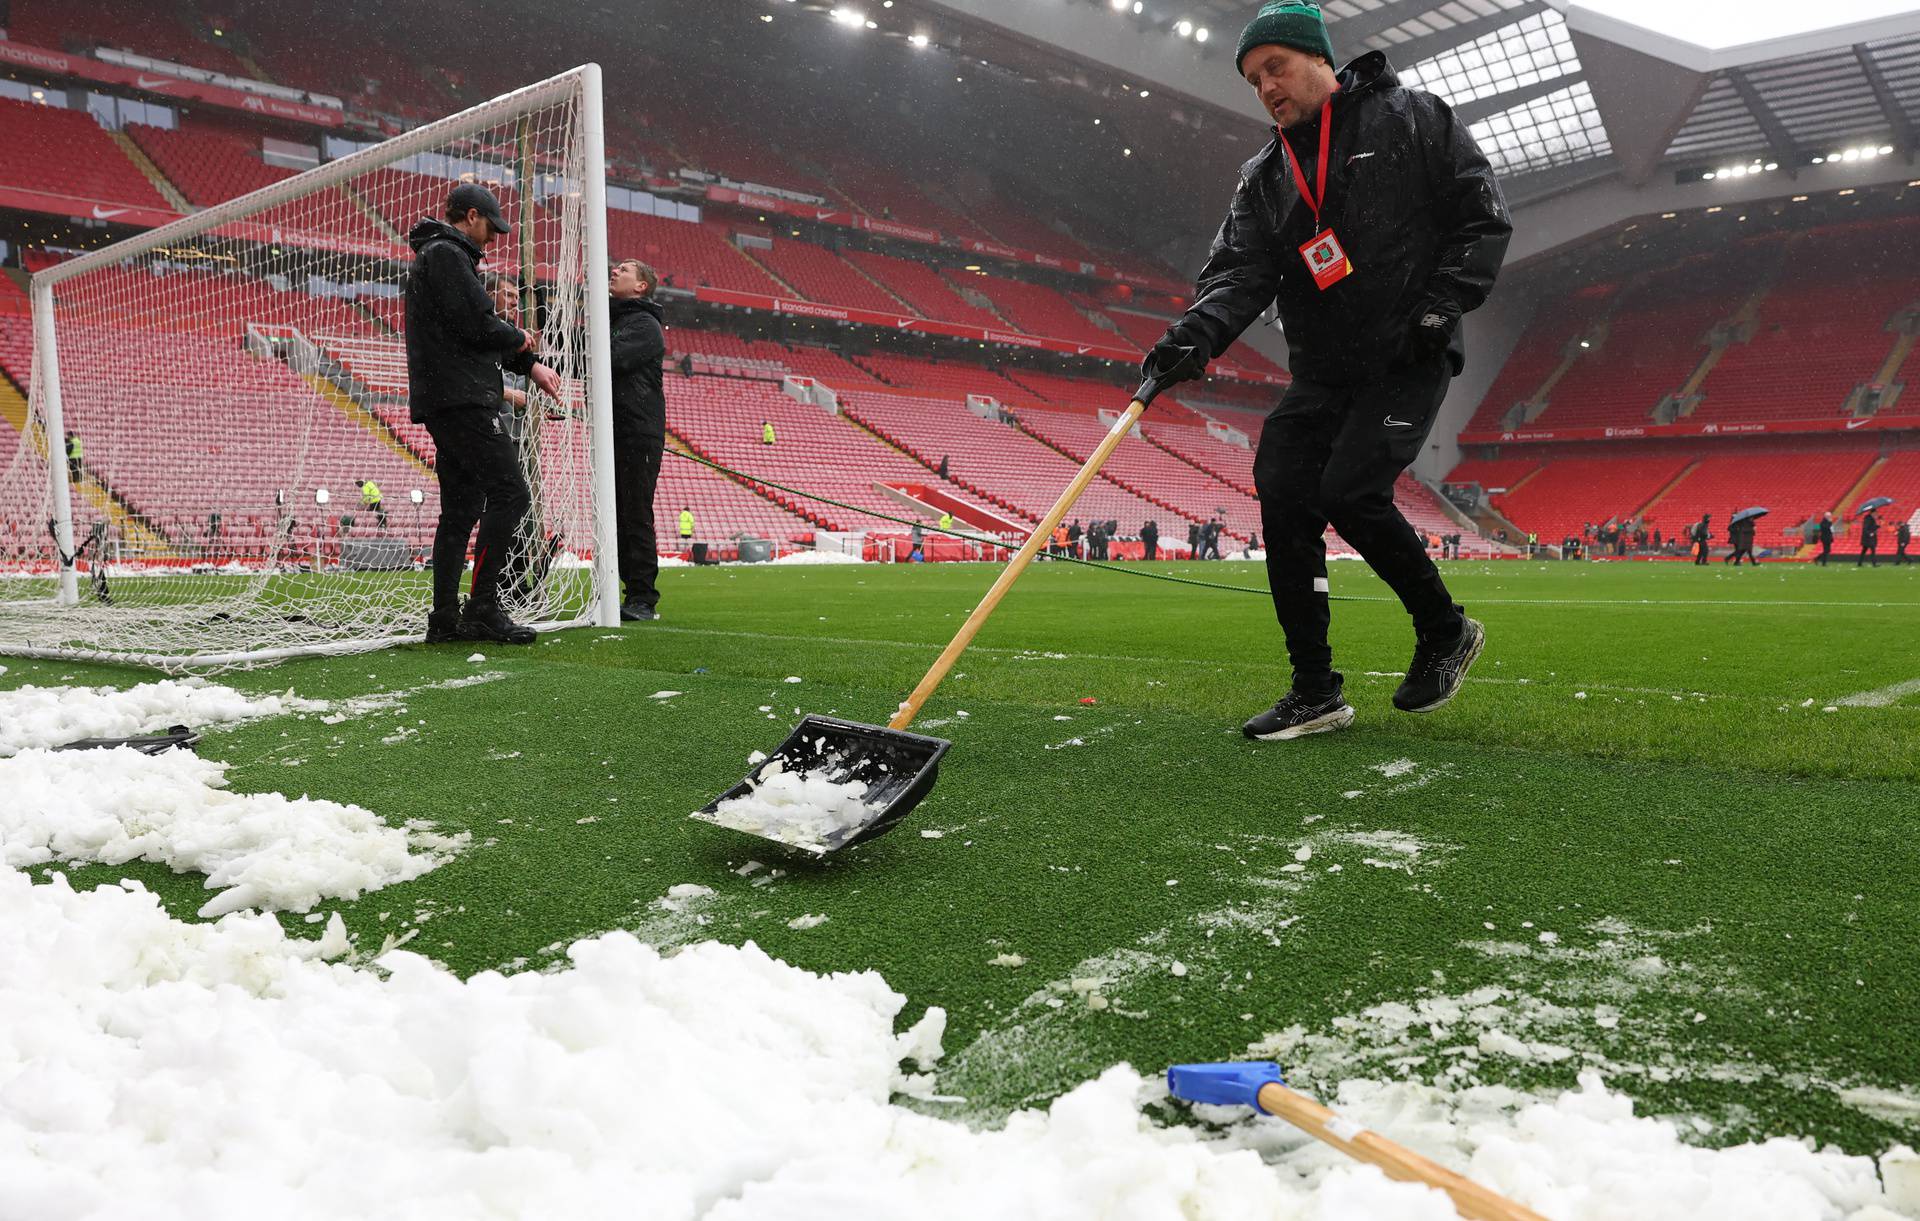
(818, 557)
(50, 716)
(261, 849)
(812, 809)
(219, 1069)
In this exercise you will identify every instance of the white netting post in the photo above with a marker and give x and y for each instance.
(606, 555)
(46, 375)
(256, 484)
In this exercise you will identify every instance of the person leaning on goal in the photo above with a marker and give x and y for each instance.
(456, 348)
(1376, 223)
(639, 430)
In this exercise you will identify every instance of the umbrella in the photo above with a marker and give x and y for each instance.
(1875, 503)
(1756, 511)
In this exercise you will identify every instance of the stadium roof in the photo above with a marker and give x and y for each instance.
(1565, 94)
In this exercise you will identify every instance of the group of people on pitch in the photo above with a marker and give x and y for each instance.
(459, 342)
(1371, 219)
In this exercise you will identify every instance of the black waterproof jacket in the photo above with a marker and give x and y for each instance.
(456, 344)
(1411, 199)
(639, 343)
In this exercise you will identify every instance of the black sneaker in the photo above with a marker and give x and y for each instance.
(636, 612)
(1438, 668)
(486, 621)
(442, 626)
(1296, 716)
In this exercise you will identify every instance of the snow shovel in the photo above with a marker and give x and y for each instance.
(1257, 1084)
(898, 768)
(177, 737)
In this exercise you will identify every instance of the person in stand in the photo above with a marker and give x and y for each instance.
(1702, 538)
(638, 345)
(1869, 539)
(942, 472)
(946, 520)
(456, 348)
(686, 529)
(76, 450)
(1826, 539)
(686, 364)
(1374, 223)
(370, 501)
(1073, 538)
(1902, 535)
(766, 432)
(1150, 541)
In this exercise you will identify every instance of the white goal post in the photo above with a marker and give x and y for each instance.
(246, 484)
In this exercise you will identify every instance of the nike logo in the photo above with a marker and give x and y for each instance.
(1393, 423)
(153, 82)
(100, 213)
(904, 323)
(1357, 156)
(1083, 351)
(1851, 424)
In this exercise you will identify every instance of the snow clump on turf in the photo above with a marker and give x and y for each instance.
(717, 1083)
(809, 809)
(818, 557)
(174, 809)
(52, 716)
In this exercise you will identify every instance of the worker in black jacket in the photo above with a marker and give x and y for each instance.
(1826, 539)
(456, 348)
(1869, 539)
(639, 430)
(1376, 223)
(1150, 541)
(1902, 535)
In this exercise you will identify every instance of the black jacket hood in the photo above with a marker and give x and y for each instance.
(427, 230)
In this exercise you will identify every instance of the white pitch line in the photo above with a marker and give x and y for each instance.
(1882, 698)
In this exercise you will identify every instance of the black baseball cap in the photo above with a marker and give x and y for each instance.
(469, 195)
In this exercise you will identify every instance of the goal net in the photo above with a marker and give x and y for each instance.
(216, 465)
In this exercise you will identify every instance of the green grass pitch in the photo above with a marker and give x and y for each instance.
(1670, 829)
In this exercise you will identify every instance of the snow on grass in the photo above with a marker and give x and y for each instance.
(812, 810)
(259, 849)
(51, 716)
(816, 557)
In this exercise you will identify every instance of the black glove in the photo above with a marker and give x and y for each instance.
(1430, 330)
(1180, 356)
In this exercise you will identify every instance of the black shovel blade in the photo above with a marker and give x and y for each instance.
(178, 737)
(899, 769)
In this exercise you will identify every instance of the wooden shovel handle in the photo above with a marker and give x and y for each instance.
(1038, 539)
(1470, 1199)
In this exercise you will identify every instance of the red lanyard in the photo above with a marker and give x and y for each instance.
(1316, 198)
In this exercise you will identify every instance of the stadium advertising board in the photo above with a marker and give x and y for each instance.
(59, 63)
(1692, 429)
(930, 326)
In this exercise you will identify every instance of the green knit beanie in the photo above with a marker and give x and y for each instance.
(1290, 23)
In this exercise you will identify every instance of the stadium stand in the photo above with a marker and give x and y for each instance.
(1035, 309)
(818, 274)
(921, 287)
(1543, 347)
(153, 30)
(210, 165)
(66, 152)
(1898, 477)
(688, 254)
(1570, 492)
(1796, 480)
(721, 419)
(1006, 467)
(933, 379)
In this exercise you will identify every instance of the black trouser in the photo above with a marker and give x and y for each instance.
(1150, 548)
(1826, 549)
(1868, 549)
(480, 482)
(636, 473)
(1899, 553)
(1330, 454)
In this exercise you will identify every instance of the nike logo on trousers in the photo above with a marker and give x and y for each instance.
(1393, 423)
